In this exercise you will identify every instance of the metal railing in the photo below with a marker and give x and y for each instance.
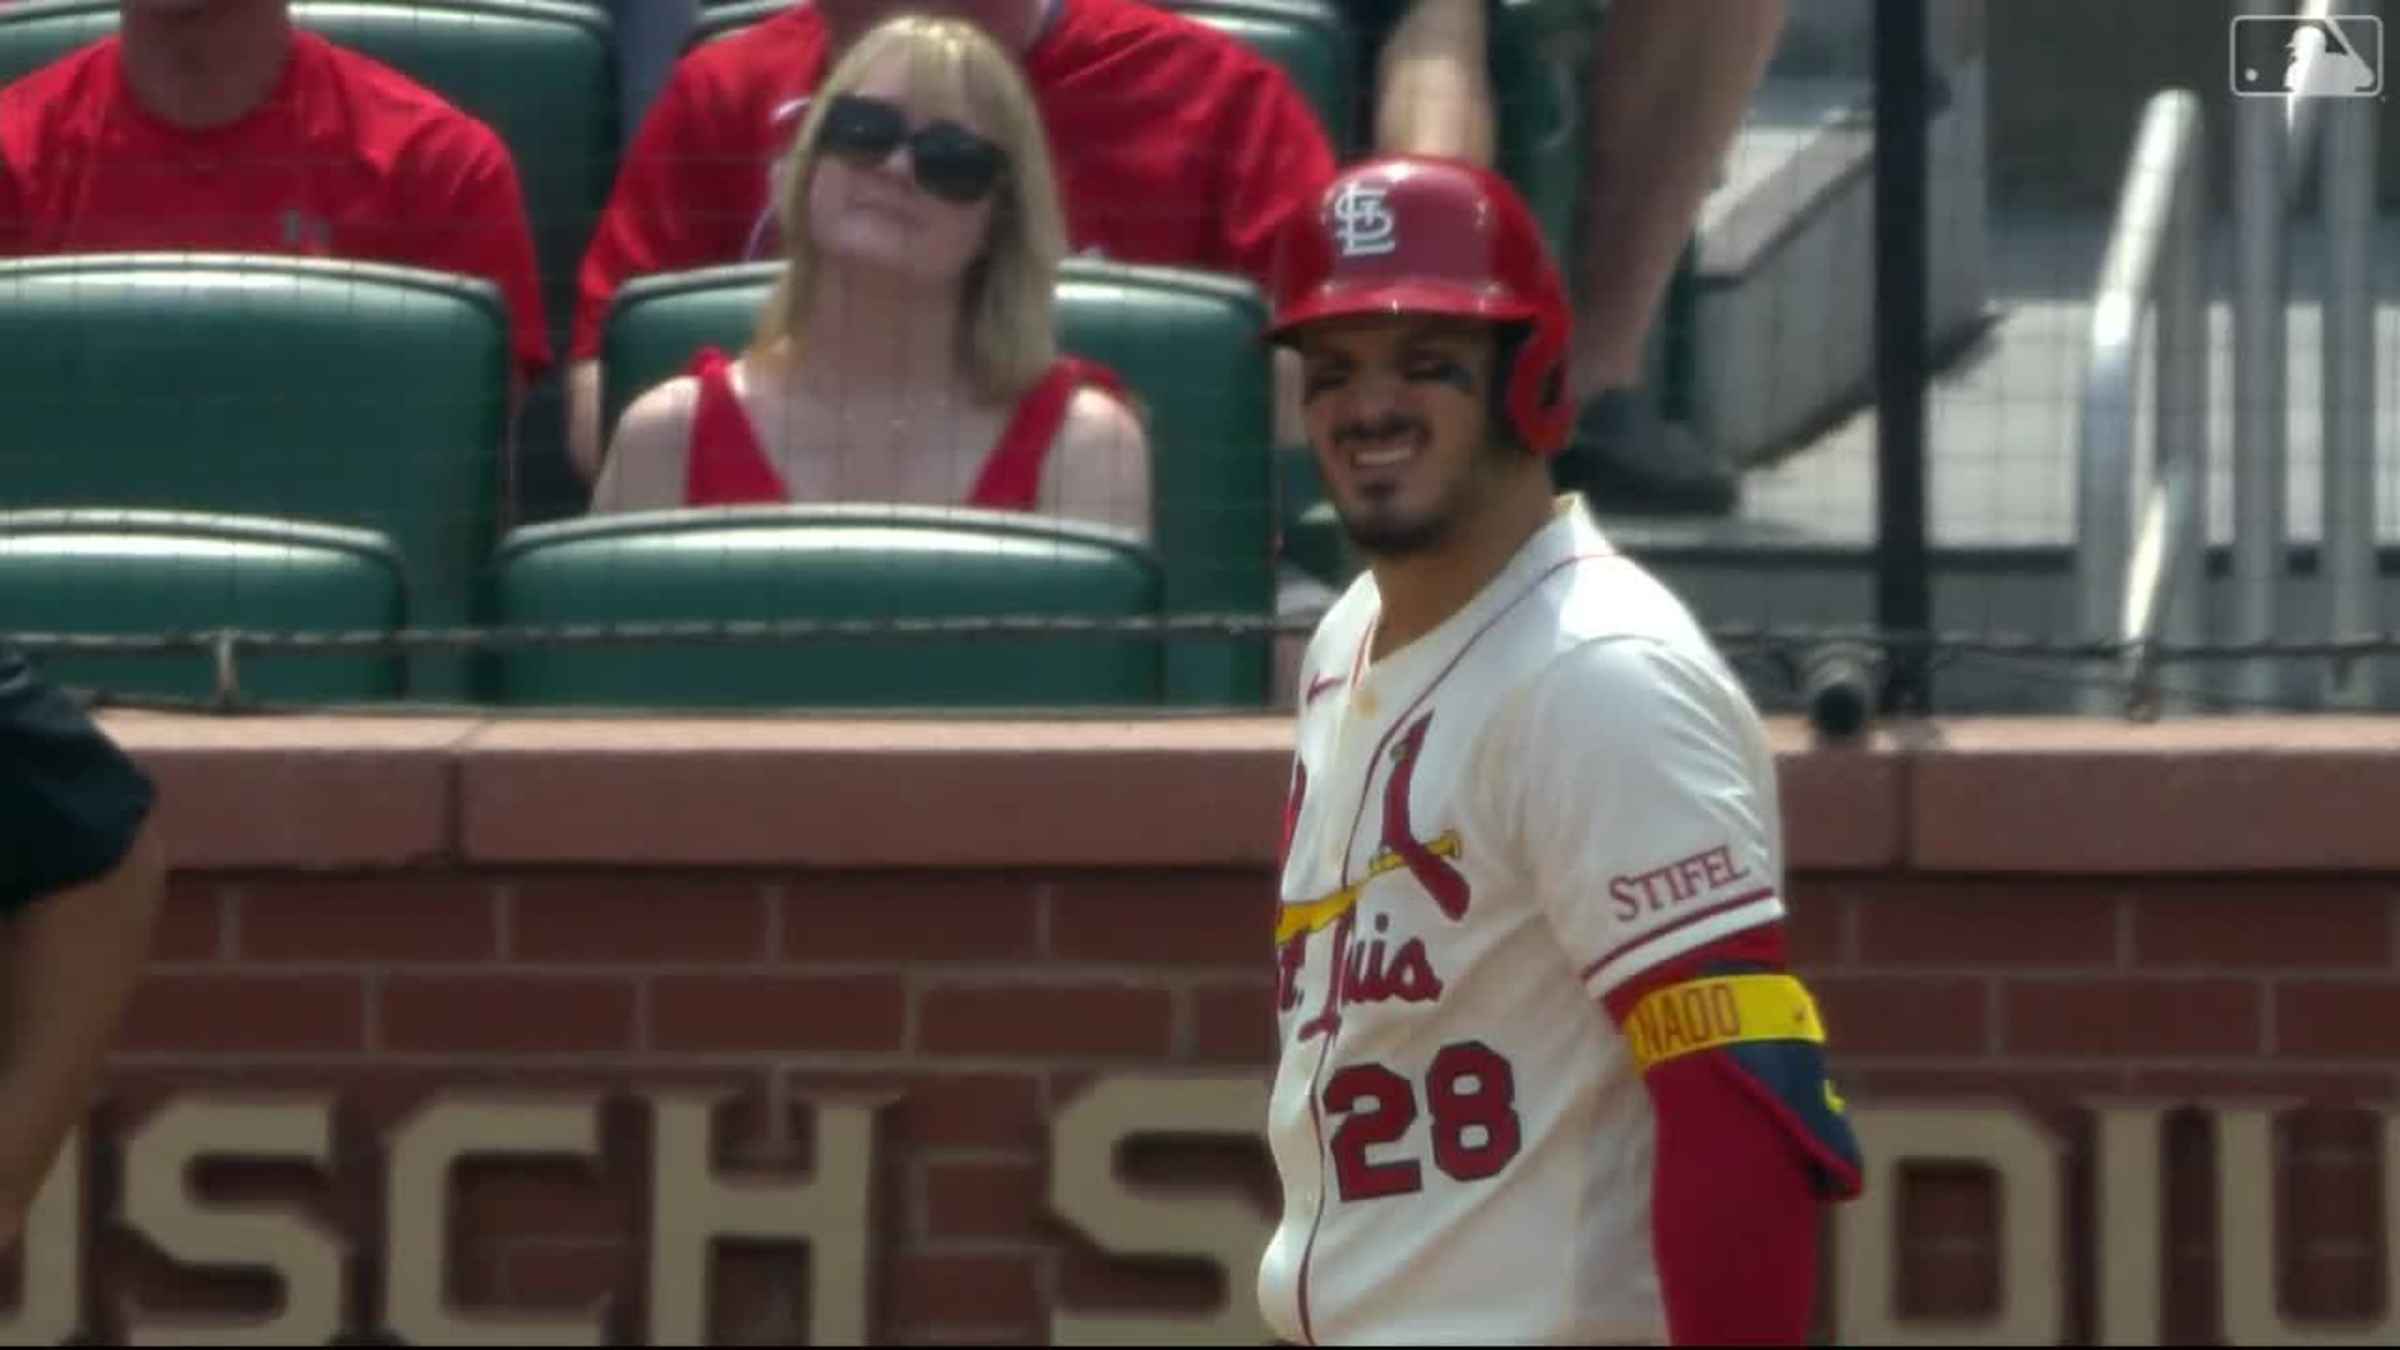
(2141, 579)
(2274, 140)
(2142, 520)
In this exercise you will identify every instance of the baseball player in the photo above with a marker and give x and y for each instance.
(80, 882)
(1544, 1076)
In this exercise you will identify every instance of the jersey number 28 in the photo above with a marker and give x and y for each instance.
(1472, 1094)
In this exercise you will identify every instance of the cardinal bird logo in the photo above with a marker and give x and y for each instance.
(1292, 804)
(1445, 883)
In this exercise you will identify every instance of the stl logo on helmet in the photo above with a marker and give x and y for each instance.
(1363, 223)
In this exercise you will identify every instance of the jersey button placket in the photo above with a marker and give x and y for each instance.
(1337, 756)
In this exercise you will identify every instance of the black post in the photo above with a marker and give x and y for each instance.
(1903, 580)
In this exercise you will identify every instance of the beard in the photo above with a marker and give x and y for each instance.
(1379, 530)
(1392, 534)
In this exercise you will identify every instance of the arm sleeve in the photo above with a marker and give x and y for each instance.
(1643, 796)
(1639, 788)
(71, 802)
(684, 198)
(1735, 1205)
(1278, 161)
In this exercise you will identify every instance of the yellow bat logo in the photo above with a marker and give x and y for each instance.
(1309, 916)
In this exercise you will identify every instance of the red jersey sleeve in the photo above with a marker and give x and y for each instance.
(689, 193)
(1735, 1206)
(1278, 160)
(484, 232)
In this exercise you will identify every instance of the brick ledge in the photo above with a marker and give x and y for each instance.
(2049, 796)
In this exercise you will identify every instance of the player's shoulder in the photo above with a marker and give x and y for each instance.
(1621, 709)
(1595, 591)
(1628, 679)
(1604, 632)
(1334, 645)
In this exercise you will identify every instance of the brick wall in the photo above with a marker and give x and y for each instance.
(382, 913)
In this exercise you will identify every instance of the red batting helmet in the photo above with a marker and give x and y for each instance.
(1409, 234)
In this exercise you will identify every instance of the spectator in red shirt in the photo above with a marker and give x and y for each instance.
(908, 352)
(1174, 144)
(215, 125)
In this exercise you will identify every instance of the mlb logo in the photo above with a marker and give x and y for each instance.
(2339, 56)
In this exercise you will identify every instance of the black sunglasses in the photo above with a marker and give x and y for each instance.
(948, 160)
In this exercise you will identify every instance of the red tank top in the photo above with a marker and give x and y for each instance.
(726, 465)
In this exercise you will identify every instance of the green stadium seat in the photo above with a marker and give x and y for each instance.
(1313, 539)
(1192, 346)
(657, 323)
(540, 73)
(346, 393)
(720, 17)
(829, 564)
(1309, 39)
(146, 572)
(34, 33)
(1187, 342)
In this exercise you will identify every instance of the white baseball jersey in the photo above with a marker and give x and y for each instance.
(1490, 829)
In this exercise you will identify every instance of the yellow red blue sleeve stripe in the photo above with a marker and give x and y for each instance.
(1771, 1035)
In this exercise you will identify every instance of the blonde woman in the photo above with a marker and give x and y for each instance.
(907, 355)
